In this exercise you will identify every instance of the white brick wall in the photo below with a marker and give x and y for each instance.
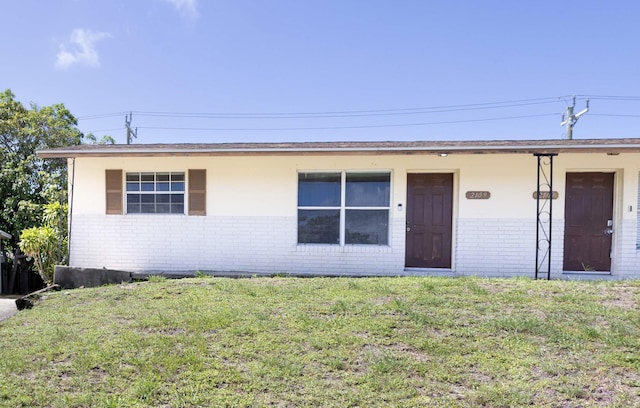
(487, 247)
(248, 244)
(495, 248)
(626, 258)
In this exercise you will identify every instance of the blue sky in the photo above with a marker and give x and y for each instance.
(321, 70)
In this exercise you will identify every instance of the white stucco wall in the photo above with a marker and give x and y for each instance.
(251, 222)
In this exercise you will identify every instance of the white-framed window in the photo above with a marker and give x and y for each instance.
(344, 207)
(155, 193)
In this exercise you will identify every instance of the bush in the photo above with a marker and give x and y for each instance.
(44, 244)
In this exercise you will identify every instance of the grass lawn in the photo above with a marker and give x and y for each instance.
(288, 342)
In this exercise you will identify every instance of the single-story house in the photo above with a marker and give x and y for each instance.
(562, 208)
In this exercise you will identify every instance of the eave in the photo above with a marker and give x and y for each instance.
(613, 146)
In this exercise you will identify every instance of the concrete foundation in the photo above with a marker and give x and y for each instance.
(70, 278)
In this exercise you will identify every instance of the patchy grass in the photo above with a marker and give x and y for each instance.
(286, 342)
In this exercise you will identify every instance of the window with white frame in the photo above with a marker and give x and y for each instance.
(343, 208)
(155, 193)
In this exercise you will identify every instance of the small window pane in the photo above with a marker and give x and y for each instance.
(133, 198)
(147, 186)
(133, 208)
(162, 198)
(147, 198)
(319, 189)
(147, 176)
(177, 208)
(162, 186)
(177, 198)
(133, 176)
(367, 227)
(319, 226)
(177, 176)
(368, 190)
(162, 208)
(147, 208)
(177, 186)
(162, 177)
(133, 186)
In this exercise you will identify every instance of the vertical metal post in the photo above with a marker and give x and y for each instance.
(537, 218)
(544, 214)
(550, 214)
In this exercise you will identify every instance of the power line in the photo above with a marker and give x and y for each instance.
(346, 113)
(485, 105)
(318, 115)
(612, 97)
(348, 127)
(361, 113)
(104, 130)
(616, 115)
(101, 115)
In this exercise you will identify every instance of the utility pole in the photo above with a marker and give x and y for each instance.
(131, 134)
(570, 119)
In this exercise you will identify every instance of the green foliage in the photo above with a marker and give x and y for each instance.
(47, 244)
(27, 182)
(90, 138)
(40, 244)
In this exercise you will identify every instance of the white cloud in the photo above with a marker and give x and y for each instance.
(82, 49)
(188, 8)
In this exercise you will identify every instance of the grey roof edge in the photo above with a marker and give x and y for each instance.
(525, 146)
(4, 235)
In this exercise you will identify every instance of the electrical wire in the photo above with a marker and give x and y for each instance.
(611, 97)
(102, 115)
(362, 114)
(330, 114)
(105, 130)
(347, 127)
(312, 116)
(615, 115)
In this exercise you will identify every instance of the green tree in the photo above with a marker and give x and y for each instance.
(27, 182)
(90, 138)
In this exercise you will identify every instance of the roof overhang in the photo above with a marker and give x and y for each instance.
(4, 235)
(612, 146)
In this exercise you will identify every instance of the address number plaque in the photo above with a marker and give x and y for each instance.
(478, 195)
(544, 195)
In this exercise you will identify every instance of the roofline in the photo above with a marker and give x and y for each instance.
(167, 150)
(4, 235)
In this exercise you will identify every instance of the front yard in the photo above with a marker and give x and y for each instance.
(289, 342)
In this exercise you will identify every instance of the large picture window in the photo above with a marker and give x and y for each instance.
(343, 208)
(155, 193)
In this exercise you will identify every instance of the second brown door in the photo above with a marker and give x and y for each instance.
(429, 220)
(588, 211)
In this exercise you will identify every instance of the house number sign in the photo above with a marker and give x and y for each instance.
(544, 195)
(478, 195)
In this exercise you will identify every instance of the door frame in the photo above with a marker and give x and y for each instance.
(616, 215)
(454, 215)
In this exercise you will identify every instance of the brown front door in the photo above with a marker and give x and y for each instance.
(429, 217)
(588, 209)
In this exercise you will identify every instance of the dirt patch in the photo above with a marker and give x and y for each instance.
(623, 297)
